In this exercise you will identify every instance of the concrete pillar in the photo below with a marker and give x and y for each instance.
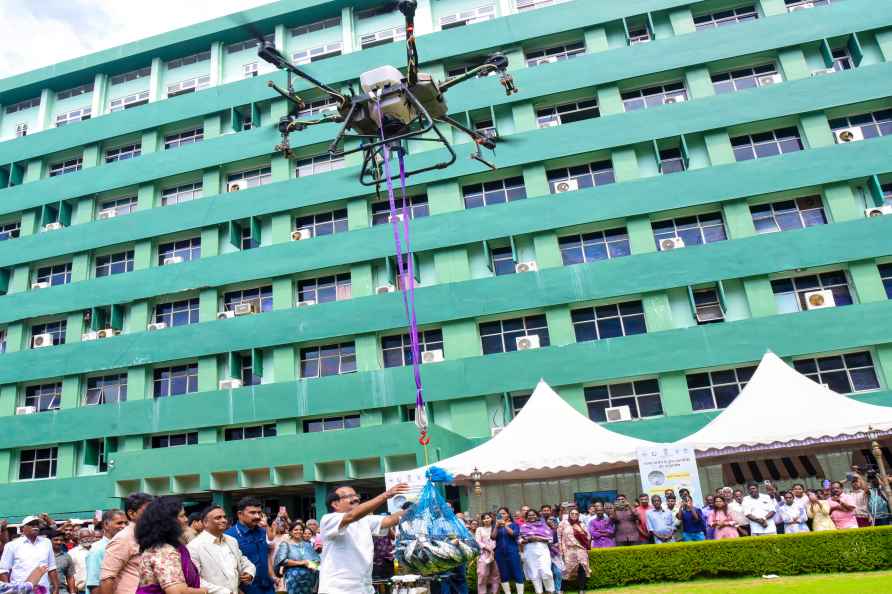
(424, 18)
(453, 265)
(641, 235)
(284, 364)
(841, 203)
(609, 100)
(674, 394)
(560, 326)
(535, 180)
(718, 147)
(348, 31)
(524, 116)
(866, 281)
(759, 296)
(100, 95)
(208, 373)
(320, 492)
(45, 111)
(884, 41)
(738, 219)
(682, 20)
(216, 63)
(145, 196)
(548, 251)
(793, 63)
(444, 197)
(816, 129)
(461, 338)
(156, 80)
(625, 164)
(283, 293)
(699, 82)
(657, 311)
(367, 352)
(596, 40)
(772, 7)
(358, 214)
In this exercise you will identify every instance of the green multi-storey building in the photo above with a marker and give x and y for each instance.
(682, 177)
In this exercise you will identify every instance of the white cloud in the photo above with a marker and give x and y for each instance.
(40, 33)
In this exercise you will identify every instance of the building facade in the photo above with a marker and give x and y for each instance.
(688, 184)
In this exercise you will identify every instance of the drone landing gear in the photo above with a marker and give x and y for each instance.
(480, 140)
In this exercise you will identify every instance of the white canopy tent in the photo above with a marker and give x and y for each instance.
(781, 408)
(548, 438)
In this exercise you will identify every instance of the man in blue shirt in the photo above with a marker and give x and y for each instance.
(252, 541)
(660, 521)
(693, 523)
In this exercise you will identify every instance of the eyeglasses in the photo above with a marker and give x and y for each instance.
(353, 497)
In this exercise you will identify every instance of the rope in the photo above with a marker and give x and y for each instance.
(405, 272)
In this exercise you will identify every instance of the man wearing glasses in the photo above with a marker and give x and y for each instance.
(347, 545)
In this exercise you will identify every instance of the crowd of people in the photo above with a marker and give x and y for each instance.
(152, 547)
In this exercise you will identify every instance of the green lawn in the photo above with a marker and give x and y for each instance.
(837, 583)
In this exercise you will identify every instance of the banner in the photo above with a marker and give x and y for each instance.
(414, 478)
(669, 467)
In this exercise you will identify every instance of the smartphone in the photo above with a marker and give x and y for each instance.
(766, 482)
(282, 510)
(97, 515)
(826, 483)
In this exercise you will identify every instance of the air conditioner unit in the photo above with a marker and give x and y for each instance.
(225, 315)
(769, 79)
(674, 99)
(244, 309)
(550, 123)
(823, 71)
(301, 234)
(385, 289)
(54, 226)
(107, 333)
(41, 340)
(234, 186)
(157, 326)
(525, 343)
(25, 410)
(91, 335)
(878, 211)
(671, 243)
(172, 260)
(845, 135)
(108, 213)
(40, 285)
(432, 356)
(398, 217)
(230, 384)
(529, 266)
(618, 413)
(568, 185)
(819, 299)
(802, 6)
(306, 303)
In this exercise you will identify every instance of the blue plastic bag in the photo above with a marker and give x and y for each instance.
(431, 540)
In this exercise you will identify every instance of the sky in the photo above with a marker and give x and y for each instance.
(39, 33)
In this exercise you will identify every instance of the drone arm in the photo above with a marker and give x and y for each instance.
(407, 7)
(483, 69)
(477, 137)
(496, 62)
(291, 97)
(273, 56)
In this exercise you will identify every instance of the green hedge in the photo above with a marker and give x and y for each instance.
(864, 549)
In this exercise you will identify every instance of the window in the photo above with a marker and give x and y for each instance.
(708, 306)
(2, 341)
(132, 75)
(336, 287)
(179, 194)
(694, 230)
(518, 401)
(120, 206)
(250, 70)
(246, 239)
(842, 60)
(75, 115)
(717, 389)
(502, 260)
(591, 247)
(639, 34)
(318, 108)
(608, 321)
(487, 128)
(534, 4)
(468, 17)
(555, 54)
(581, 176)
(370, 13)
(10, 230)
(64, 167)
(106, 389)
(183, 138)
(123, 153)
(501, 336)
(886, 276)
(872, 125)
(21, 129)
(253, 178)
(172, 440)
(789, 214)
(671, 161)
(56, 329)
(319, 164)
(766, 144)
(39, 463)
(177, 313)
(417, 207)
(247, 44)
(134, 100)
(44, 397)
(654, 96)
(642, 397)
(261, 298)
(331, 424)
(114, 263)
(332, 359)
(494, 192)
(745, 78)
(793, 5)
(843, 374)
(57, 274)
(23, 105)
(789, 293)
(246, 370)
(186, 249)
(325, 223)
(193, 59)
(382, 37)
(317, 26)
(176, 380)
(314, 54)
(252, 432)
(397, 350)
(75, 91)
(725, 17)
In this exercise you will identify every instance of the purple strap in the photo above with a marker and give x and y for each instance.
(405, 271)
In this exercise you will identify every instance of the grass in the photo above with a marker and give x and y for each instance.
(838, 583)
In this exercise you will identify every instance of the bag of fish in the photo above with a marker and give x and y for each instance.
(431, 540)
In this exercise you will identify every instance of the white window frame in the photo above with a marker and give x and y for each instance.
(190, 85)
(75, 115)
(768, 70)
(123, 153)
(131, 75)
(21, 129)
(521, 5)
(186, 60)
(65, 167)
(382, 37)
(252, 177)
(23, 105)
(739, 15)
(317, 53)
(53, 459)
(184, 138)
(793, 301)
(567, 51)
(662, 90)
(121, 206)
(128, 102)
(468, 17)
(561, 110)
(316, 26)
(318, 164)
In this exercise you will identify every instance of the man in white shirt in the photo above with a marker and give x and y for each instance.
(760, 510)
(347, 533)
(85, 539)
(26, 553)
(217, 556)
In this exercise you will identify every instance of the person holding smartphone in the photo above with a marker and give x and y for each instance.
(507, 552)
(693, 522)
